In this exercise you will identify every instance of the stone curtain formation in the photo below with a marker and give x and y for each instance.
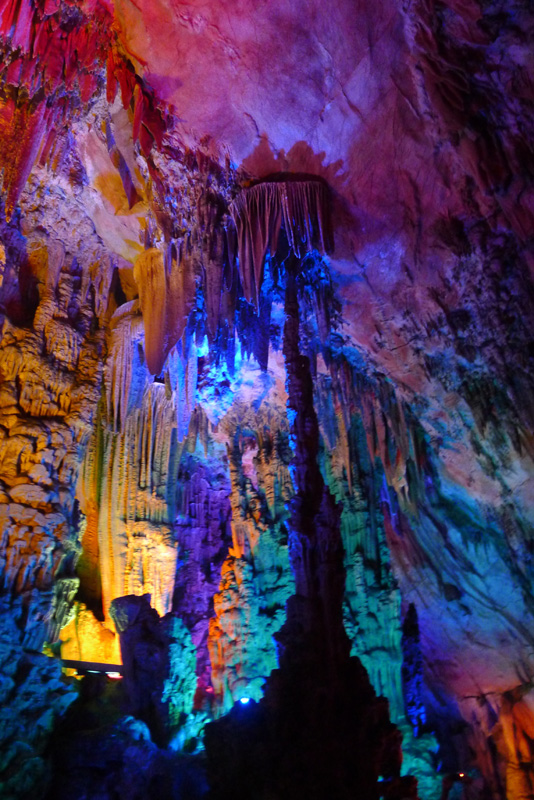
(301, 207)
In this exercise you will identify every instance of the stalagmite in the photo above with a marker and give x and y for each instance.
(182, 378)
(181, 288)
(256, 579)
(318, 706)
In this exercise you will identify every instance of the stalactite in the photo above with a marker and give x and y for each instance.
(372, 601)
(214, 255)
(397, 468)
(302, 207)
(129, 479)
(41, 59)
(166, 295)
(182, 372)
(149, 274)
(125, 370)
(359, 390)
(365, 465)
(23, 130)
(181, 288)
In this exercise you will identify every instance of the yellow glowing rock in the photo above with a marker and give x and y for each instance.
(124, 493)
(87, 639)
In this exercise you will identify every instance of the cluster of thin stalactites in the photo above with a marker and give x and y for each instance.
(301, 207)
(150, 338)
(167, 285)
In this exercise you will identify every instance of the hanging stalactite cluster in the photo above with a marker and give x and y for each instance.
(302, 208)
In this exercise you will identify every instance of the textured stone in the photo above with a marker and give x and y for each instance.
(33, 698)
(85, 638)
(159, 661)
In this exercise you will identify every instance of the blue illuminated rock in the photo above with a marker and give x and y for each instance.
(33, 697)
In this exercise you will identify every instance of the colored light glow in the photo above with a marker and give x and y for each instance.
(116, 676)
(461, 774)
(244, 700)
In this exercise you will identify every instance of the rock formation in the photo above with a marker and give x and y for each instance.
(266, 302)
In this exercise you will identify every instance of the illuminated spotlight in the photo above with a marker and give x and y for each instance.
(461, 774)
(116, 676)
(244, 700)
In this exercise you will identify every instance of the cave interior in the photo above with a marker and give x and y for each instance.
(266, 400)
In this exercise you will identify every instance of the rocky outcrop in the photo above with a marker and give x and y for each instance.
(51, 371)
(33, 697)
(51, 367)
(160, 681)
(100, 752)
